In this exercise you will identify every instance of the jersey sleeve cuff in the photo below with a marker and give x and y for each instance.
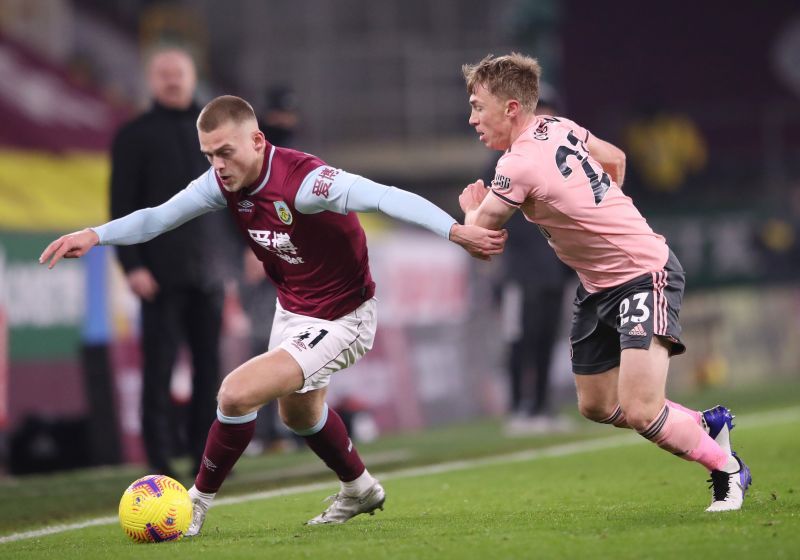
(507, 200)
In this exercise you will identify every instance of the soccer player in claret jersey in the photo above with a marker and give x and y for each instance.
(625, 324)
(298, 216)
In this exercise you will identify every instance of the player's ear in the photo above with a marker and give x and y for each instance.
(512, 108)
(259, 141)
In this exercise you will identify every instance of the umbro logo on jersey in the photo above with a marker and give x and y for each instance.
(638, 330)
(245, 206)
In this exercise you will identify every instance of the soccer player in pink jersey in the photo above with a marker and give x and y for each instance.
(299, 217)
(625, 325)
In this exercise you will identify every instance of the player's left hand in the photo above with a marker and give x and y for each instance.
(472, 196)
(479, 242)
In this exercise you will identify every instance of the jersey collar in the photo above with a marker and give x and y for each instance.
(263, 177)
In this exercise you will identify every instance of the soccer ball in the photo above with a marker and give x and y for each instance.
(155, 508)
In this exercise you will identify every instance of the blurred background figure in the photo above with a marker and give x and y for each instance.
(280, 118)
(181, 291)
(532, 303)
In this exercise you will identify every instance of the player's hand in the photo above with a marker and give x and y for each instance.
(70, 246)
(479, 242)
(142, 283)
(472, 196)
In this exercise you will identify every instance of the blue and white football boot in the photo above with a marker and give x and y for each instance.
(728, 489)
(718, 423)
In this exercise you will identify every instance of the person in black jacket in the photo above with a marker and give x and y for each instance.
(181, 290)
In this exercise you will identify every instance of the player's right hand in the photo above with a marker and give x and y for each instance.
(143, 283)
(479, 242)
(70, 246)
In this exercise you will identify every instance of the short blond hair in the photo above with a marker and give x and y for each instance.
(223, 109)
(513, 76)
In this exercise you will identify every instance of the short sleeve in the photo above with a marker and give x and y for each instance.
(511, 182)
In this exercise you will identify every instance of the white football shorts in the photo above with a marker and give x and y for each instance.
(323, 347)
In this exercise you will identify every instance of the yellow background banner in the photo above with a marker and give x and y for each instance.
(42, 191)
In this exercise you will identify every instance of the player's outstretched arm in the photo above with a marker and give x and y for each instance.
(338, 191)
(200, 197)
(70, 246)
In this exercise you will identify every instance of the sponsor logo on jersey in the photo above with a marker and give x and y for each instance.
(278, 243)
(283, 211)
(321, 188)
(245, 206)
(501, 183)
(329, 173)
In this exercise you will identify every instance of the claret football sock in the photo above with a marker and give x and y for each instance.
(330, 441)
(227, 439)
(677, 432)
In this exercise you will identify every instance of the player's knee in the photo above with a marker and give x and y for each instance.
(233, 399)
(639, 415)
(296, 418)
(596, 412)
(287, 417)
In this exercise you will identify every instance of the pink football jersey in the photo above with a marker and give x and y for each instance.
(591, 224)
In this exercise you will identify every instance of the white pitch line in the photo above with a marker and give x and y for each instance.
(587, 446)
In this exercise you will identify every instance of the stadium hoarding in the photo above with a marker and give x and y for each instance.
(730, 247)
(54, 173)
(53, 178)
(44, 308)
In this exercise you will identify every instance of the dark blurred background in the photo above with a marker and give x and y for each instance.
(703, 97)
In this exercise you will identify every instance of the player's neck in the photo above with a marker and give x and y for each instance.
(255, 174)
(520, 125)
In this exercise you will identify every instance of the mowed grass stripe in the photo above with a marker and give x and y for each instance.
(759, 420)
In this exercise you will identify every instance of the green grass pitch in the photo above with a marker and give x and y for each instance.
(623, 498)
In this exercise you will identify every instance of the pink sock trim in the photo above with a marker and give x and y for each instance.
(617, 418)
(677, 432)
